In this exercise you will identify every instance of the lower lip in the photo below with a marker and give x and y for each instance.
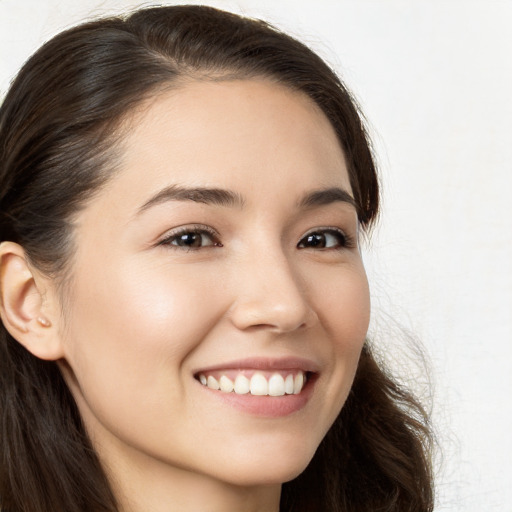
(266, 406)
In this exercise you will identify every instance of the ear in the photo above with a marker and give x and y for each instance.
(25, 305)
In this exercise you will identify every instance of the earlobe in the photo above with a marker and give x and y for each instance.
(22, 308)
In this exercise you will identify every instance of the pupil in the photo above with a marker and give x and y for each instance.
(190, 239)
(316, 240)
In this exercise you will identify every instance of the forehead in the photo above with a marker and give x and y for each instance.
(245, 135)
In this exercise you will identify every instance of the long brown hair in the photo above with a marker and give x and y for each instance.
(58, 135)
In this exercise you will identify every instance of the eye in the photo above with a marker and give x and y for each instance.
(191, 238)
(325, 239)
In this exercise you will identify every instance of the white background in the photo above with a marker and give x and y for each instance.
(435, 81)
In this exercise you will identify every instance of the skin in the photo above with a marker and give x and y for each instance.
(143, 316)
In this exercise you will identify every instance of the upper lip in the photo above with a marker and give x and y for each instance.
(266, 364)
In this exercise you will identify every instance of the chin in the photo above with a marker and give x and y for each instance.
(268, 467)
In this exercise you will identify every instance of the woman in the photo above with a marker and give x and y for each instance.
(183, 299)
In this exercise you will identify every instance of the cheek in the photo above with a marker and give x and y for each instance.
(344, 300)
(127, 339)
(344, 306)
(151, 307)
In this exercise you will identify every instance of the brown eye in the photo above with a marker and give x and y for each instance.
(324, 239)
(191, 239)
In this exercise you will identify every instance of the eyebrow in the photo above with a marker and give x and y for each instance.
(228, 198)
(215, 196)
(326, 196)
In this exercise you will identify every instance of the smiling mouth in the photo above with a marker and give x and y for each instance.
(255, 382)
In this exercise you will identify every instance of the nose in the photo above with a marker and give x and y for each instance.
(271, 294)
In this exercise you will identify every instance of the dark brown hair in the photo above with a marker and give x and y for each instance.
(58, 137)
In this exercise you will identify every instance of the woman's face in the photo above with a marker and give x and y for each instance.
(223, 251)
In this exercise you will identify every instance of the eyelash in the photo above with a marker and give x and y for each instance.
(196, 230)
(345, 241)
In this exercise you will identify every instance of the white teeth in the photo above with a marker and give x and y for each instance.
(212, 382)
(259, 385)
(298, 383)
(276, 385)
(288, 384)
(242, 385)
(226, 384)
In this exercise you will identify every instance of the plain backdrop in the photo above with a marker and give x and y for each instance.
(434, 79)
